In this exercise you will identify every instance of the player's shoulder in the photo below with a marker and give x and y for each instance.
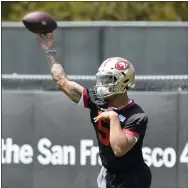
(137, 109)
(136, 114)
(132, 108)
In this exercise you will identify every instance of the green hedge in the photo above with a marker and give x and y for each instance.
(82, 11)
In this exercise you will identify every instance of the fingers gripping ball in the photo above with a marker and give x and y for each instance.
(39, 22)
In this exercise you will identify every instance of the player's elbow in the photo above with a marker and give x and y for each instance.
(119, 151)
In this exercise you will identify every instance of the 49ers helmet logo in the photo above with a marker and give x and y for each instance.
(122, 65)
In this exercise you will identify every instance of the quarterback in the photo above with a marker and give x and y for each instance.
(119, 123)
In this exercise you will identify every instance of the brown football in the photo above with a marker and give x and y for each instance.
(39, 22)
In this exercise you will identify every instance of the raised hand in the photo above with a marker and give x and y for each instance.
(46, 41)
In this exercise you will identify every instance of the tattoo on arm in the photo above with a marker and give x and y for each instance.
(57, 70)
(76, 93)
(71, 89)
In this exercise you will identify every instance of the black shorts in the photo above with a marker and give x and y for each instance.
(139, 178)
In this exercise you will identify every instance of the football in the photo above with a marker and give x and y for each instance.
(39, 22)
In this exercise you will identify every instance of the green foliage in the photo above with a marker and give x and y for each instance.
(82, 11)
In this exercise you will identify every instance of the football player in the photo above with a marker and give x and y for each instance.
(119, 122)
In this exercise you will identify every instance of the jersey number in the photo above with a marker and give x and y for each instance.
(106, 132)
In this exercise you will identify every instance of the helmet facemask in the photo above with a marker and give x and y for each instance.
(106, 85)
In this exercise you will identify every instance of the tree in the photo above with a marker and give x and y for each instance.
(82, 11)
